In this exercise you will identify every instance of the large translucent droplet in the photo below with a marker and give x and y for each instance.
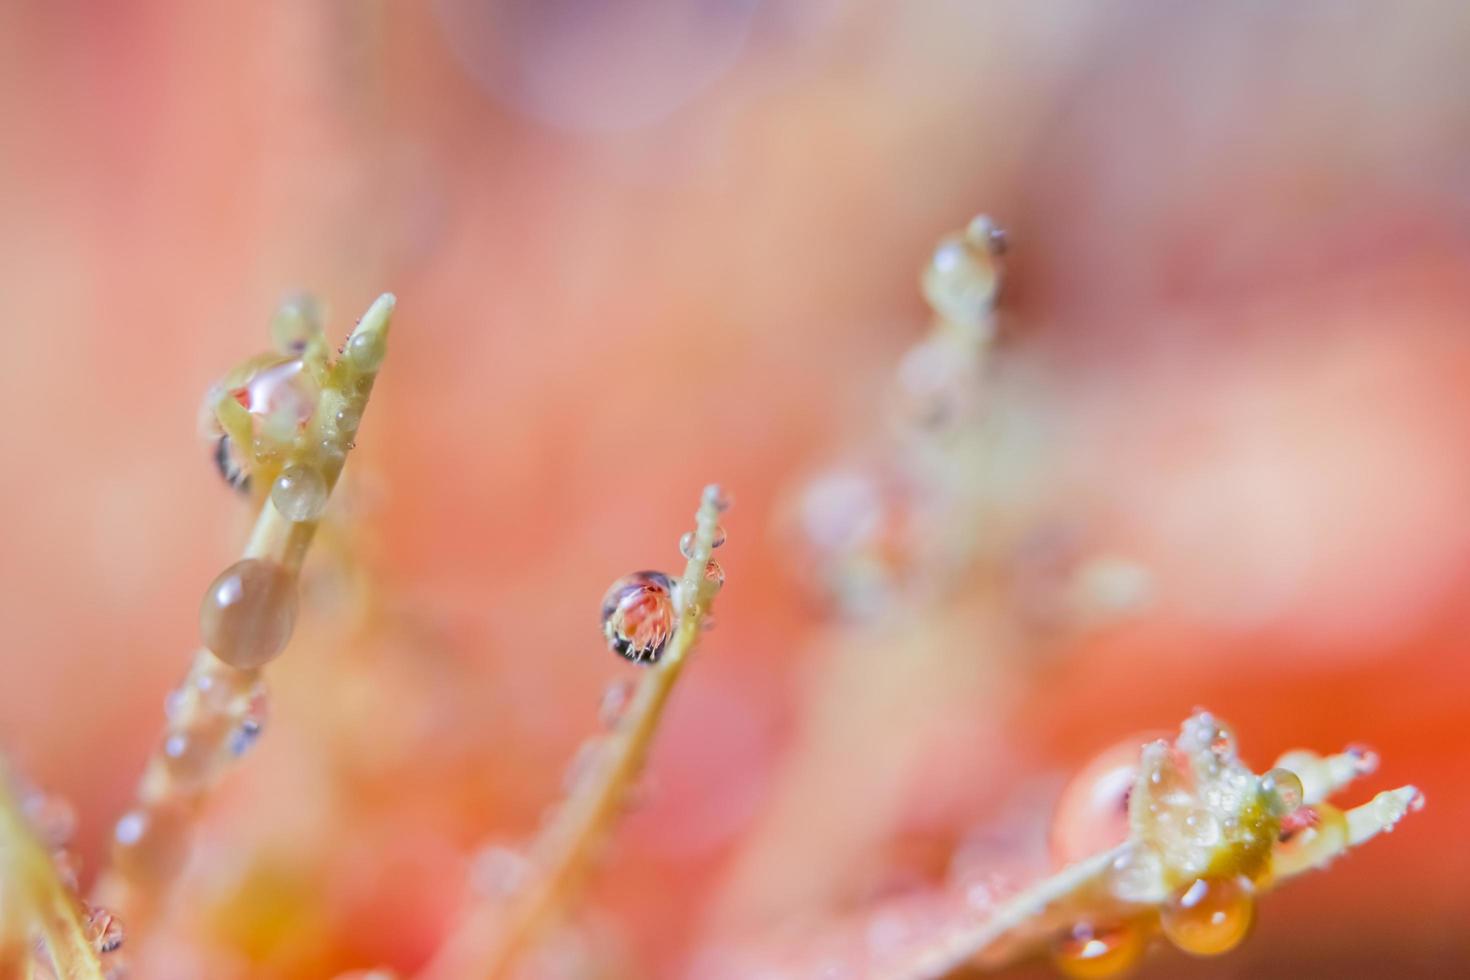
(104, 930)
(248, 613)
(1209, 917)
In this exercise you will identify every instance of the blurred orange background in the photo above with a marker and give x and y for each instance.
(641, 246)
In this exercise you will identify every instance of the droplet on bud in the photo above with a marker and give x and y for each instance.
(961, 280)
(1281, 790)
(365, 351)
(686, 543)
(1364, 759)
(52, 818)
(151, 842)
(1092, 813)
(104, 930)
(281, 397)
(232, 466)
(615, 699)
(300, 493)
(714, 574)
(248, 613)
(1091, 953)
(251, 721)
(638, 616)
(1210, 916)
(194, 754)
(1309, 836)
(296, 324)
(498, 872)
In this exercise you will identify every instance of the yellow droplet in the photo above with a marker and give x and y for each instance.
(1209, 917)
(1094, 952)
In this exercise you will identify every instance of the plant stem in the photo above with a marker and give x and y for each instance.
(491, 938)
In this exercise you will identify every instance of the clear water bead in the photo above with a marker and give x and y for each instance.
(638, 616)
(960, 281)
(365, 351)
(297, 322)
(1210, 916)
(151, 842)
(686, 543)
(281, 396)
(194, 754)
(249, 612)
(52, 818)
(1090, 952)
(615, 700)
(1282, 791)
(300, 493)
(104, 930)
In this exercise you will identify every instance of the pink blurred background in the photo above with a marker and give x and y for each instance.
(641, 246)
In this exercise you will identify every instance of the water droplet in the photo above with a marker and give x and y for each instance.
(615, 700)
(151, 842)
(1210, 916)
(714, 575)
(717, 498)
(248, 613)
(498, 872)
(584, 763)
(194, 753)
(233, 468)
(960, 281)
(1090, 952)
(104, 930)
(638, 616)
(251, 721)
(52, 818)
(281, 396)
(365, 351)
(686, 543)
(1309, 835)
(1416, 801)
(68, 867)
(348, 419)
(1092, 812)
(1364, 759)
(300, 493)
(1281, 789)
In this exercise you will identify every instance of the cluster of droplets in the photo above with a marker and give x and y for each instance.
(249, 611)
(1201, 833)
(872, 529)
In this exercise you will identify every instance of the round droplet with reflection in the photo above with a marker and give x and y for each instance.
(1281, 791)
(714, 575)
(1209, 917)
(300, 493)
(1090, 952)
(248, 613)
(638, 615)
(151, 842)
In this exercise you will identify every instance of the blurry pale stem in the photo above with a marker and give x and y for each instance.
(276, 537)
(35, 898)
(490, 939)
(1078, 893)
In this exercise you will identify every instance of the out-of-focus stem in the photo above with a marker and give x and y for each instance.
(492, 937)
(34, 898)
